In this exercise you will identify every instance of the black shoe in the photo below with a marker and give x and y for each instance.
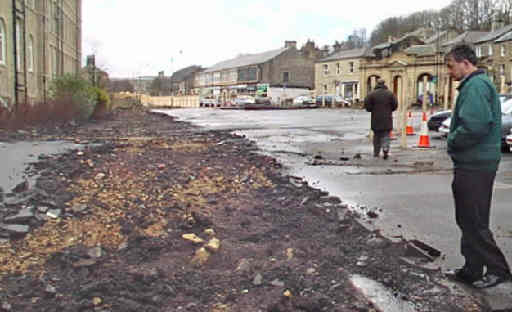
(490, 280)
(463, 275)
(385, 155)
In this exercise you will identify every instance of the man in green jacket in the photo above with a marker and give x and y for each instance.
(474, 145)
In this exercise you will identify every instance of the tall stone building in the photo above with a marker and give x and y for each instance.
(39, 40)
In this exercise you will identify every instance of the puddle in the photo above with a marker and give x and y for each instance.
(381, 298)
(15, 157)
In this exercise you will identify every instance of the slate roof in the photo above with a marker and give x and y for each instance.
(184, 73)
(416, 33)
(246, 59)
(493, 35)
(345, 54)
(421, 50)
(468, 36)
(435, 37)
(505, 37)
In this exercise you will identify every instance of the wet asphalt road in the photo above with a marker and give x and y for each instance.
(411, 200)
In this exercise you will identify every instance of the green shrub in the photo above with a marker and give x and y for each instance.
(77, 92)
(102, 102)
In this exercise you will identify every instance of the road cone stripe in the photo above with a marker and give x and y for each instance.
(409, 130)
(424, 141)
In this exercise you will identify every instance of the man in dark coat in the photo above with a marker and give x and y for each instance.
(381, 103)
(474, 144)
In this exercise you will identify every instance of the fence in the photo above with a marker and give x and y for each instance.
(170, 101)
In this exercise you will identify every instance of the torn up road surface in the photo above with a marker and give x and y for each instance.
(151, 214)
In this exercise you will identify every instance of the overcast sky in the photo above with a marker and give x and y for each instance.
(134, 37)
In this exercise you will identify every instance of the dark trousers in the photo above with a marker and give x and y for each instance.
(380, 140)
(472, 191)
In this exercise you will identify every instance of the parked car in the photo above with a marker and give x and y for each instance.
(508, 141)
(303, 99)
(435, 121)
(444, 128)
(506, 123)
(332, 101)
(244, 99)
(206, 102)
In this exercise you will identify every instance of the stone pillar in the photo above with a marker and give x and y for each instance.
(502, 84)
(446, 92)
(403, 105)
(425, 96)
(342, 90)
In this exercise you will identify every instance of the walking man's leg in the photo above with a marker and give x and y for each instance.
(376, 143)
(385, 144)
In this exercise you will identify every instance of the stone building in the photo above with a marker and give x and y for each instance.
(339, 74)
(39, 40)
(248, 74)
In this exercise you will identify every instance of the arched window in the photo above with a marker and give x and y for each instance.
(30, 54)
(3, 40)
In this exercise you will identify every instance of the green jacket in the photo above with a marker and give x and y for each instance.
(474, 141)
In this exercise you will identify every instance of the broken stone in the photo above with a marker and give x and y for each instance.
(201, 256)
(97, 301)
(53, 213)
(123, 246)
(289, 253)
(99, 176)
(213, 245)
(377, 242)
(362, 261)
(16, 229)
(287, 293)
(79, 208)
(6, 306)
(209, 232)
(20, 199)
(95, 252)
(258, 280)
(42, 209)
(24, 215)
(304, 201)
(243, 265)
(50, 289)
(310, 271)
(84, 263)
(193, 238)
(277, 283)
(21, 187)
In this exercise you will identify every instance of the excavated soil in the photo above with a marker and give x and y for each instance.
(122, 207)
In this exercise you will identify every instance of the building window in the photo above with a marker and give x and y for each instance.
(325, 88)
(18, 47)
(286, 76)
(3, 40)
(30, 54)
(351, 64)
(490, 50)
(478, 51)
(502, 69)
(503, 51)
(326, 69)
(338, 68)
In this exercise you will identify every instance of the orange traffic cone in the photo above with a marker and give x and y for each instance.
(409, 130)
(424, 138)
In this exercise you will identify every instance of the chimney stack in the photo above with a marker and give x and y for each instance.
(289, 44)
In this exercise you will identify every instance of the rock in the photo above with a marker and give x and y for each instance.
(6, 306)
(16, 229)
(23, 216)
(123, 246)
(277, 283)
(304, 201)
(79, 208)
(20, 199)
(97, 301)
(213, 245)
(193, 238)
(99, 176)
(201, 256)
(362, 261)
(287, 293)
(95, 252)
(53, 213)
(21, 187)
(377, 242)
(372, 214)
(209, 232)
(84, 263)
(289, 253)
(243, 265)
(50, 289)
(310, 271)
(42, 209)
(258, 279)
